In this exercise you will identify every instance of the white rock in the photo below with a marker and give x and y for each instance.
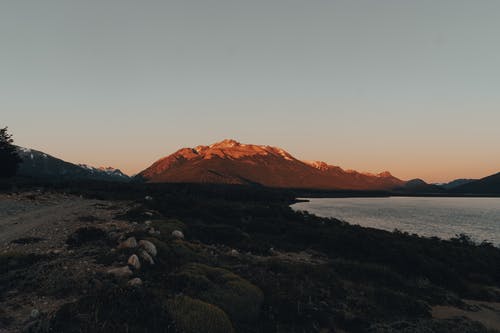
(149, 247)
(135, 282)
(146, 257)
(148, 214)
(234, 253)
(178, 234)
(148, 223)
(120, 271)
(134, 262)
(35, 313)
(148, 198)
(130, 243)
(55, 251)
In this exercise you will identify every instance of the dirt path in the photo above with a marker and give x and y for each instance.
(48, 219)
(41, 223)
(28, 217)
(487, 313)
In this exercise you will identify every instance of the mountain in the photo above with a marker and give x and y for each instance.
(105, 172)
(456, 183)
(231, 162)
(418, 185)
(37, 164)
(486, 185)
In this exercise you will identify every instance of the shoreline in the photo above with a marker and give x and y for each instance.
(432, 217)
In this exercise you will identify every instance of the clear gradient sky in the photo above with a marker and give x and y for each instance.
(407, 86)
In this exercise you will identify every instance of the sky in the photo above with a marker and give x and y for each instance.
(406, 86)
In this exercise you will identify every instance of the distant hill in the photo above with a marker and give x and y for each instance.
(37, 164)
(456, 183)
(417, 185)
(231, 162)
(486, 185)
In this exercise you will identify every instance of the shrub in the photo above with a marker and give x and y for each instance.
(462, 325)
(27, 240)
(14, 268)
(14, 260)
(397, 303)
(298, 296)
(167, 226)
(174, 253)
(239, 298)
(193, 316)
(114, 310)
(87, 235)
(368, 273)
(220, 234)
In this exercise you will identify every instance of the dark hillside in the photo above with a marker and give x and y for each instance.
(486, 185)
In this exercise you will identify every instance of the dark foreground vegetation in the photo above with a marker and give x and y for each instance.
(249, 263)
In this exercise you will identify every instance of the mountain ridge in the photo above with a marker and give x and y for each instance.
(37, 164)
(230, 161)
(486, 185)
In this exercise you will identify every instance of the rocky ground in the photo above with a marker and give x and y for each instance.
(40, 224)
(487, 313)
(60, 253)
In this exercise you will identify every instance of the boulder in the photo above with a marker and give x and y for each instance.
(149, 247)
(55, 251)
(129, 243)
(146, 257)
(120, 272)
(133, 261)
(135, 282)
(178, 234)
(34, 313)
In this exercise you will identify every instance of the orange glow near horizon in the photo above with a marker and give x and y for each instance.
(403, 167)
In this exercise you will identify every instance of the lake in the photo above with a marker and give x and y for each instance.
(426, 216)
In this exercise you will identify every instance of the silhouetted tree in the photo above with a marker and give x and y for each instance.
(9, 158)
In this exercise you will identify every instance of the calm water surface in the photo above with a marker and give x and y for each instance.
(443, 217)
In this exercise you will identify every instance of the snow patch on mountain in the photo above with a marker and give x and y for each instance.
(39, 164)
(104, 170)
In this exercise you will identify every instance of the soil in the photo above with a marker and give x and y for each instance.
(487, 313)
(40, 223)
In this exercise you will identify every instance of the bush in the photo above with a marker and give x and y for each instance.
(167, 226)
(14, 268)
(87, 235)
(220, 234)
(369, 273)
(194, 316)
(396, 303)
(240, 299)
(299, 297)
(14, 260)
(175, 253)
(458, 324)
(114, 310)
